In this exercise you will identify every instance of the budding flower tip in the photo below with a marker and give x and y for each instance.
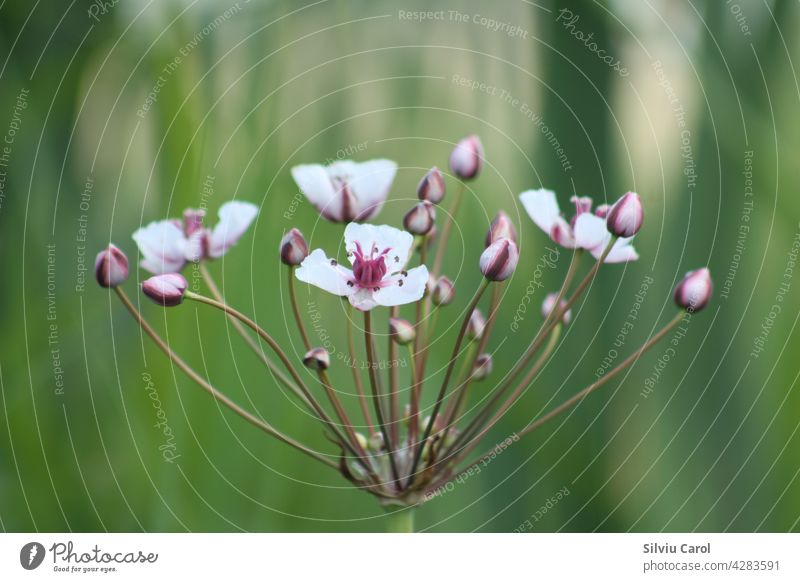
(167, 290)
(401, 331)
(499, 261)
(483, 367)
(466, 159)
(549, 304)
(111, 267)
(420, 219)
(694, 292)
(317, 359)
(431, 188)
(293, 248)
(476, 325)
(625, 217)
(444, 291)
(501, 227)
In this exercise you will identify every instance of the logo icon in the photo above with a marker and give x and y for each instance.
(31, 555)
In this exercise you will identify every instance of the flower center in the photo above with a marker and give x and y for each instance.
(370, 268)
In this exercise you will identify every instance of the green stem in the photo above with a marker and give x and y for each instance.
(401, 521)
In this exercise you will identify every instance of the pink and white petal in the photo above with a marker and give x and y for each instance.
(411, 290)
(591, 232)
(383, 237)
(320, 271)
(621, 252)
(371, 183)
(235, 218)
(542, 206)
(163, 247)
(562, 233)
(363, 300)
(315, 183)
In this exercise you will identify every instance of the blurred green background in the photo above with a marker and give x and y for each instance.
(702, 106)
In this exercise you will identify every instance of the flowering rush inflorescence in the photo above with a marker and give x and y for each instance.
(398, 451)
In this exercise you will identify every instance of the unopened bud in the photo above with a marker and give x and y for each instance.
(167, 290)
(431, 187)
(317, 359)
(626, 216)
(362, 440)
(601, 211)
(111, 267)
(444, 291)
(466, 159)
(420, 219)
(549, 304)
(293, 248)
(483, 367)
(476, 325)
(499, 260)
(694, 292)
(501, 227)
(401, 331)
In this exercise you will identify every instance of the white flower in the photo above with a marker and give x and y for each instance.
(379, 255)
(167, 245)
(345, 190)
(585, 230)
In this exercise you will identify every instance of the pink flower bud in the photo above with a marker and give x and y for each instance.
(111, 267)
(466, 159)
(420, 219)
(476, 325)
(317, 359)
(694, 292)
(548, 304)
(499, 260)
(444, 291)
(192, 220)
(501, 227)
(431, 187)
(483, 367)
(293, 248)
(626, 216)
(167, 289)
(601, 211)
(401, 331)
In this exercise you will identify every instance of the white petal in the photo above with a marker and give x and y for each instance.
(370, 183)
(363, 300)
(315, 184)
(234, 219)
(562, 234)
(320, 271)
(542, 206)
(163, 247)
(621, 252)
(591, 232)
(383, 237)
(411, 290)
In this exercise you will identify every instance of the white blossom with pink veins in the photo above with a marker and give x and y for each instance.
(345, 190)
(585, 230)
(167, 245)
(378, 255)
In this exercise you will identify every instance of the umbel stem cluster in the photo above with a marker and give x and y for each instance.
(408, 449)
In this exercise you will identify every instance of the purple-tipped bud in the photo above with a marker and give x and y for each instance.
(601, 211)
(317, 359)
(401, 331)
(625, 217)
(420, 219)
(431, 187)
(111, 267)
(193, 220)
(694, 292)
(476, 325)
(499, 260)
(294, 248)
(483, 367)
(501, 227)
(444, 291)
(548, 305)
(466, 159)
(167, 289)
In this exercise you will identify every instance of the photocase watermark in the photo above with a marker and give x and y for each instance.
(490, 24)
(52, 323)
(169, 69)
(568, 19)
(744, 226)
(20, 105)
(168, 449)
(760, 341)
(347, 151)
(81, 236)
(739, 17)
(622, 336)
(537, 515)
(679, 114)
(546, 261)
(666, 356)
(206, 192)
(473, 469)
